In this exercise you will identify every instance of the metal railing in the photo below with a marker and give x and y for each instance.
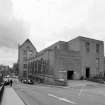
(1, 93)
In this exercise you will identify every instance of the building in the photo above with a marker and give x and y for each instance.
(15, 69)
(26, 51)
(91, 53)
(104, 65)
(54, 63)
(4, 70)
(80, 57)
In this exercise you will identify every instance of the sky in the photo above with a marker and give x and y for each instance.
(46, 21)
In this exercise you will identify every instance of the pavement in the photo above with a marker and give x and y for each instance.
(76, 93)
(10, 97)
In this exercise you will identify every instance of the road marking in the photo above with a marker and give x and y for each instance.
(62, 99)
(81, 90)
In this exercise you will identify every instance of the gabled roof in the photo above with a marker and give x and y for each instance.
(27, 40)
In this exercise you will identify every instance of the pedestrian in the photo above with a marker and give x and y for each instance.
(11, 82)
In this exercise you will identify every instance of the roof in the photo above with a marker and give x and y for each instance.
(86, 38)
(27, 40)
(50, 47)
(81, 37)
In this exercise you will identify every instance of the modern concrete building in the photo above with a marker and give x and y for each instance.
(91, 54)
(26, 51)
(80, 57)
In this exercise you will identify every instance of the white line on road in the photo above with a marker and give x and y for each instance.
(81, 90)
(62, 99)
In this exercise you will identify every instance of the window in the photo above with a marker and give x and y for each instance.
(24, 52)
(57, 47)
(97, 60)
(27, 48)
(24, 73)
(25, 66)
(97, 48)
(87, 45)
(97, 64)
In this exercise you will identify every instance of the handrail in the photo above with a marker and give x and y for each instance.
(1, 93)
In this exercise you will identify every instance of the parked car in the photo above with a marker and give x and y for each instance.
(27, 81)
(30, 81)
(24, 81)
(7, 82)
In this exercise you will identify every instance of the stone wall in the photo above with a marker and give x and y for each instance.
(67, 60)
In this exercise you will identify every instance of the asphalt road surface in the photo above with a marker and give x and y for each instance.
(77, 93)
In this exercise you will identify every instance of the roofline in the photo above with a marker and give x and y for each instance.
(80, 37)
(24, 43)
(90, 39)
(47, 48)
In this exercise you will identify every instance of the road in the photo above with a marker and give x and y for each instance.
(77, 93)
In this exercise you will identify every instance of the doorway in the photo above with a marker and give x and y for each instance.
(87, 72)
(70, 75)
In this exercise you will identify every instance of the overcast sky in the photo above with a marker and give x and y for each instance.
(47, 21)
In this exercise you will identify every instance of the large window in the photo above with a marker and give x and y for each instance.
(24, 73)
(97, 48)
(87, 45)
(97, 64)
(25, 66)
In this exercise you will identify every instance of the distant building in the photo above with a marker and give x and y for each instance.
(4, 70)
(26, 51)
(15, 69)
(80, 57)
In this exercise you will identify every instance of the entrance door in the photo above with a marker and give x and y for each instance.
(70, 75)
(87, 72)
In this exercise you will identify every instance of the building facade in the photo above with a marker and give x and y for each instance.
(56, 62)
(4, 70)
(91, 53)
(26, 51)
(15, 69)
(80, 57)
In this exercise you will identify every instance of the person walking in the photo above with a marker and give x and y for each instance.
(11, 82)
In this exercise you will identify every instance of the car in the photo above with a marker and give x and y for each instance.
(6, 82)
(27, 81)
(30, 81)
(24, 81)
